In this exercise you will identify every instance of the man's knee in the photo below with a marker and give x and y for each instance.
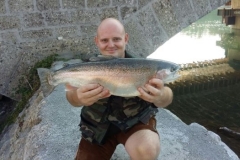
(146, 152)
(143, 145)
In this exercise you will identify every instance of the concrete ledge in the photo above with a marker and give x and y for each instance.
(48, 129)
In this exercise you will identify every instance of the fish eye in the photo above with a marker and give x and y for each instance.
(174, 68)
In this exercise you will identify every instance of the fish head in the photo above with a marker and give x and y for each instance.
(168, 71)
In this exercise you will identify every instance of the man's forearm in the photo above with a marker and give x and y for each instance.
(72, 98)
(165, 99)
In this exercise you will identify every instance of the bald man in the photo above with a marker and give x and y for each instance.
(108, 120)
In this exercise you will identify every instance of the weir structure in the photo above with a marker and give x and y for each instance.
(208, 92)
(230, 13)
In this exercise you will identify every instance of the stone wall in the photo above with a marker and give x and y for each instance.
(33, 29)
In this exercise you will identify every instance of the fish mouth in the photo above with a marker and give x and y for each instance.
(168, 74)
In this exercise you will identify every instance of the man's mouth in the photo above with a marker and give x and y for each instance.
(111, 51)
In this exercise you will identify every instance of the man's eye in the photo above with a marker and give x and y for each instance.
(117, 39)
(104, 40)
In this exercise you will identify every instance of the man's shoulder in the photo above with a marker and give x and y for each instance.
(129, 55)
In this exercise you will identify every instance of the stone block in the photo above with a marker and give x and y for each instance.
(36, 34)
(85, 16)
(43, 5)
(47, 52)
(217, 3)
(9, 37)
(88, 30)
(84, 45)
(40, 46)
(124, 2)
(142, 3)
(53, 45)
(26, 45)
(33, 20)
(66, 32)
(154, 33)
(9, 22)
(184, 12)
(109, 12)
(98, 3)
(10, 90)
(166, 16)
(138, 45)
(9, 58)
(201, 7)
(2, 7)
(70, 4)
(19, 74)
(71, 45)
(57, 18)
(127, 12)
(19, 6)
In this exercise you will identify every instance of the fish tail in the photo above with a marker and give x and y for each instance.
(46, 87)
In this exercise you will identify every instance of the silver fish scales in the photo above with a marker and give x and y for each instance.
(121, 76)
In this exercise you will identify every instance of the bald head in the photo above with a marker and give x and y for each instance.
(110, 23)
(111, 38)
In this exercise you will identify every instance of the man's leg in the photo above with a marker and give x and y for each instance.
(143, 145)
(142, 141)
(89, 151)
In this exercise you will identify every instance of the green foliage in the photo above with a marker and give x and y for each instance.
(28, 85)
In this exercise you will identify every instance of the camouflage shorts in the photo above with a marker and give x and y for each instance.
(89, 151)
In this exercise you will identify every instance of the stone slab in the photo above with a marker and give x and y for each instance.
(56, 135)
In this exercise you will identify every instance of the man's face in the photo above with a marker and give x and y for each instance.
(111, 40)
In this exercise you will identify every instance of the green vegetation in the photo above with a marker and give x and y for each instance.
(28, 85)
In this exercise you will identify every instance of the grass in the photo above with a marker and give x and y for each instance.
(26, 90)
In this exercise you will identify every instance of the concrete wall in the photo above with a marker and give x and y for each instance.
(33, 29)
(235, 4)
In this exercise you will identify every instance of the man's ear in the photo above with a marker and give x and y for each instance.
(96, 40)
(126, 37)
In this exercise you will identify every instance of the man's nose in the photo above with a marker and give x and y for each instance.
(110, 43)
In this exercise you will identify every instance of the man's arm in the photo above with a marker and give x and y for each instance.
(155, 92)
(85, 95)
(166, 98)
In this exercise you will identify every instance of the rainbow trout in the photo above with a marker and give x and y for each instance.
(121, 76)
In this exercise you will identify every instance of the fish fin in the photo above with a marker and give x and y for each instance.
(43, 74)
(101, 58)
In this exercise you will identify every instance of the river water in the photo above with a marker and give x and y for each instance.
(205, 40)
(195, 43)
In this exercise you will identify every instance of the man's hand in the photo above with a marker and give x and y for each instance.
(155, 92)
(85, 95)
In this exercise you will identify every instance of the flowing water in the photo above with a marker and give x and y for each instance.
(218, 104)
(197, 42)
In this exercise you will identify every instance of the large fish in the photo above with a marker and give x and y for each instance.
(121, 76)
